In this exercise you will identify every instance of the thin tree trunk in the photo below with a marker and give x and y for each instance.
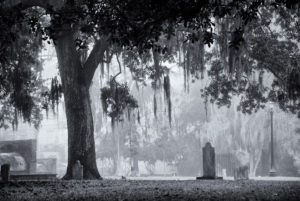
(116, 155)
(253, 173)
(81, 144)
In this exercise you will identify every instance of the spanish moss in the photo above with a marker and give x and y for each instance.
(167, 89)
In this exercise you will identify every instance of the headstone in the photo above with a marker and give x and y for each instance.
(224, 174)
(77, 171)
(5, 172)
(209, 163)
(241, 172)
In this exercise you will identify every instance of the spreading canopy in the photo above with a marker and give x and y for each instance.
(135, 25)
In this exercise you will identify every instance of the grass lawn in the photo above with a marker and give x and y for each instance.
(151, 190)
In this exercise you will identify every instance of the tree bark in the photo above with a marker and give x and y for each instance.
(81, 144)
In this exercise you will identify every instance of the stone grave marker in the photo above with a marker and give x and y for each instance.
(5, 175)
(224, 173)
(77, 171)
(241, 173)
(209, 162)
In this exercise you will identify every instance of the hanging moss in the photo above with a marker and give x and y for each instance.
(261, 80)
(128, 114)
(51, 97)
(178, 46)
(235, 48)
(21, 98)
(15, 122)
(45, 101)
(167, 86)
(154, 106)
(138, 117)
(223, 42)
(170, 111)
(201, 59)
(115, 99)
(55, 92)
(188, 67)
(157, 71)
(167, 89)
(184, 67)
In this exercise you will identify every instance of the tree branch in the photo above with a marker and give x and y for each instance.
(95, 57)
(120, 67)
(31, 3)
(275, 74)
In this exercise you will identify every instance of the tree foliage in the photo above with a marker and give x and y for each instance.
(116, 99)
(20, 71)
(270, 45)
(141, 26)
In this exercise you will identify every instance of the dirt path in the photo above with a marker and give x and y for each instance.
(151, 190)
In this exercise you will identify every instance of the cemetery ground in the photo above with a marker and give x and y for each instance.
(112, 189)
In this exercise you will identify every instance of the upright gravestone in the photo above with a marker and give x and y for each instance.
(5, 172)
(209, 164)
(241, 172)
(77, 171)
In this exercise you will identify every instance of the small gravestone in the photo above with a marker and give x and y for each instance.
(5, 172)
(241, 173)
(77, 171)
(224, 174)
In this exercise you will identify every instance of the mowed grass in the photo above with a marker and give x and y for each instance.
(151, 190)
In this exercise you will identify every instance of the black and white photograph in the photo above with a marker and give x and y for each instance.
(149, 100)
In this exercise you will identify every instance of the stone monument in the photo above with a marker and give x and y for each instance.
(209, 162)
(5, 175)
(241, 173)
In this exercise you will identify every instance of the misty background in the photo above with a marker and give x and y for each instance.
(143, 145)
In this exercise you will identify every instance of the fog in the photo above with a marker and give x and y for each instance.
(147, 146)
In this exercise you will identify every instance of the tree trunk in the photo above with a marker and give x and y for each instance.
(115, 140)
(81, 144)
